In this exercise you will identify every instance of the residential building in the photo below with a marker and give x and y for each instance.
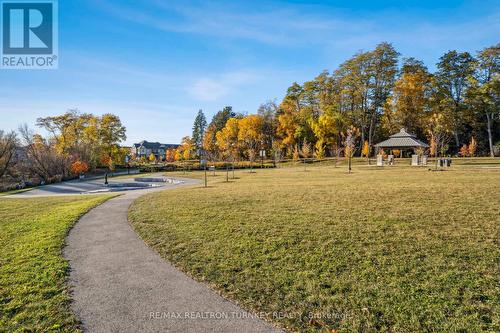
(145, 149)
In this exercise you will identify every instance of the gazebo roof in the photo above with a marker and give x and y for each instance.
(402, 139)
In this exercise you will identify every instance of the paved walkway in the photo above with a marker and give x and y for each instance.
(85, 186)
(119, 284)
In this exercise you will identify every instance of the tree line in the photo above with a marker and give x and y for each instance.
(76, 143)
(368, 97)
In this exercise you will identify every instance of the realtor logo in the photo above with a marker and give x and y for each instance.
(29, 34)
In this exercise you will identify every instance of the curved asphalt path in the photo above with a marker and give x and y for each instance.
(119, 284)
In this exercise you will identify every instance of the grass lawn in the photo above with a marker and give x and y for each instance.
(395, 249)
(33, 294)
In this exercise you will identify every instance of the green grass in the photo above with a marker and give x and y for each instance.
(33, 294)
(383, 249)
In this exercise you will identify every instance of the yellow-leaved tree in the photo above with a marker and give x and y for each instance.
(227, 139)
(184, 151)
(319, 151)
(366, 151)
(227, 143)
(251, 135)
(406, 107)
(209, 143)
(472, 147)
(186, 148)
(326, 129)
(178, 155)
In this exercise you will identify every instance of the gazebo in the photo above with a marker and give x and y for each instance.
(402, 141)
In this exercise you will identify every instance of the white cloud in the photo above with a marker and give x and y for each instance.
(209, 89)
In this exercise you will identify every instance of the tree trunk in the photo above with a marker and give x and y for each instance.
(362, 141)
(490, 138)
(370, 134)
(7, 164)
(457, 141)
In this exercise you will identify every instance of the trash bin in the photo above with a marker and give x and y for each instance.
(390, 159)
(415, 160)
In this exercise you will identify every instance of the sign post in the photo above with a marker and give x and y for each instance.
(204, 164)
(127, 162)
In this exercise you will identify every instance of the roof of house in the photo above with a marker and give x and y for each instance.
(155, 145)
(402, 139)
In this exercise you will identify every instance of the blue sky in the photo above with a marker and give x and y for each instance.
(155, 63)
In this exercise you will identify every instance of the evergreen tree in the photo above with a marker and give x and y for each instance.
(199, 127)
(220, 119)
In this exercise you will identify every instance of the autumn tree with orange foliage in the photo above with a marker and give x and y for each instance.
(107, 160)
(79, 167)
(464, 151)
(170, 155)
